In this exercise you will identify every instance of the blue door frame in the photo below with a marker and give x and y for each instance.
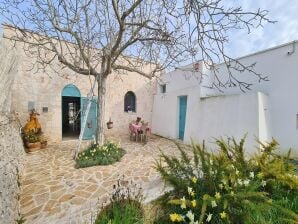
(90, 129)
(182, 115)
(70, 106)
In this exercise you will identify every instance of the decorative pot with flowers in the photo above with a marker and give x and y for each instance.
(32, 141)
(32, 135)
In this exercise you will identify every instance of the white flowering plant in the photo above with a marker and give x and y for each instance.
(228, 186)
(106, 154)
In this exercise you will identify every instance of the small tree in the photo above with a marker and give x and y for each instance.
(98, 37)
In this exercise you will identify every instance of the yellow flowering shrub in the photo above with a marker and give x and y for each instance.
(229, 186)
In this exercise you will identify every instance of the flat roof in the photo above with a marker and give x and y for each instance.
(267, 49)
(251, 54)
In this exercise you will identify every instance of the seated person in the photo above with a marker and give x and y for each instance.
(138, 121)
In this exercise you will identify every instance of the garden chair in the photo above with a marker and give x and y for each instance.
(144, 132)
(133, 131)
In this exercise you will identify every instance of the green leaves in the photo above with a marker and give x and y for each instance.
(94, 155)
(125, 205)
(229, 185)
(31, 137)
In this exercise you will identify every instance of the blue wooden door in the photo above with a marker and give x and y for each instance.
(90, 128)
(182, 115)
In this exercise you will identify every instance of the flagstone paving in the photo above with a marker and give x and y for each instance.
(53, 191)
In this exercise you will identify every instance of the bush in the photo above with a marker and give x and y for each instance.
(125, 206)
(94, 155)
(124, 212)
(228, 187)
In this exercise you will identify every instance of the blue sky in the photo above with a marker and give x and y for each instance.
(285, 12)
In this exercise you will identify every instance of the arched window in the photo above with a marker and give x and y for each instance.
(130, 102)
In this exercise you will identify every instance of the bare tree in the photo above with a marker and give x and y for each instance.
(96, 37)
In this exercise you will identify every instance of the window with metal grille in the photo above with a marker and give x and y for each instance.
(130, 102)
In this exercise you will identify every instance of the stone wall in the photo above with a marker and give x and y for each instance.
(44, 88)
(143, 89)
(11, 147)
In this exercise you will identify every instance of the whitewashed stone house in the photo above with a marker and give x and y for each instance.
(60, 98)
(185, 109)
(180, 107)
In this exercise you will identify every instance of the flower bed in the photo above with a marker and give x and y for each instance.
(94, 155)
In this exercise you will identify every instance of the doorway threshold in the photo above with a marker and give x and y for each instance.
(70, 138)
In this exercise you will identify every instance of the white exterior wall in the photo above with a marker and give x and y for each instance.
(268, 110)
(281, 68)
(166, 106)
(229, 116)
(208, 118)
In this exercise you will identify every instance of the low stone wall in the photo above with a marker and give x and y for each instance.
(11, 158)
(11, 146)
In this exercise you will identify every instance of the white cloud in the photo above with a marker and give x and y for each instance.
(285, 30)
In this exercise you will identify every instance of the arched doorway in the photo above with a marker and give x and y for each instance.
(71, 116)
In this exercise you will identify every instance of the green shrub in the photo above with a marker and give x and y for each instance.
(228, 187)
(295, 164)
(124, 212)
(94, 155)
(125, 206)
(31, 137)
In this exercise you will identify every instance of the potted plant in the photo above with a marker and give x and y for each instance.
(110, 124)
(31, 141)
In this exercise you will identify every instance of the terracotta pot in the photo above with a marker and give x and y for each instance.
(32, 147)
(110, 125)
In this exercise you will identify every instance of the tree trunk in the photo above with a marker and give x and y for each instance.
(101, 91)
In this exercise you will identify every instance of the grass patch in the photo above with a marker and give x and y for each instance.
(106, 154)
(155, 213)
(125, 206)
(122, 212)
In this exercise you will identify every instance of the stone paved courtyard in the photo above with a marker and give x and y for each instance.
(53, 191)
